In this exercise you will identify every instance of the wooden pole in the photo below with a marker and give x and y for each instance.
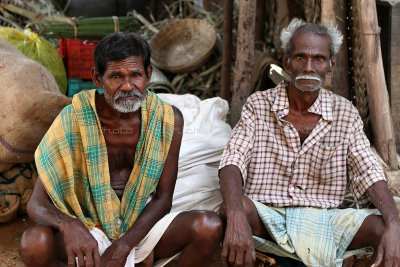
(339, 81)
(244, 57)
(327, 11)
(227, 51)
(381, 120)
(260, 21)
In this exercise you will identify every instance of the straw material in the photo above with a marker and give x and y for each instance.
(183, 45)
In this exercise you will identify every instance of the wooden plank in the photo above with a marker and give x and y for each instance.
(395, 70)
(226, 70)
(244, 57)
(382, 127)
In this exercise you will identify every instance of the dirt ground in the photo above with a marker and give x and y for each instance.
(10, 234)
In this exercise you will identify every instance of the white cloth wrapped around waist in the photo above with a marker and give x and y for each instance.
(145, 246)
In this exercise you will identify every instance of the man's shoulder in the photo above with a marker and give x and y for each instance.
(178, 117)
(340, 105)
(262, 98)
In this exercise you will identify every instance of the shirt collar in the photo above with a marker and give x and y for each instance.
(321, 106)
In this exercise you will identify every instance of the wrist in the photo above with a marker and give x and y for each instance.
(393, 222)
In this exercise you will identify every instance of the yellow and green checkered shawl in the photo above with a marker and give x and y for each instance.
(72, 163)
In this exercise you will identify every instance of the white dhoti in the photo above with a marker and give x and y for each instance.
(144, 248)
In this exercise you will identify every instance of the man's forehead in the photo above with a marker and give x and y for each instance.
(310, 40)
(131, 61)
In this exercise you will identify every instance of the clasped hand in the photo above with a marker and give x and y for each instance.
(81, 245)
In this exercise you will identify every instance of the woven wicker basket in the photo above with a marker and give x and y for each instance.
(183, 45)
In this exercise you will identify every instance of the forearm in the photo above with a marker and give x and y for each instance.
(231, 190)
(42, 211)
(384, 202)
(154, 211)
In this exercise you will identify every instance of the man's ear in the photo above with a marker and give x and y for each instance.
(285, 61)
(149, 72)
(332, 64)
(96, 78)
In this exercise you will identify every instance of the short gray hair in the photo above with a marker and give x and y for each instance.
(330, 30)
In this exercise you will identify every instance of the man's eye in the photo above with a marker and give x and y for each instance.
(115, 76)
(299, 58)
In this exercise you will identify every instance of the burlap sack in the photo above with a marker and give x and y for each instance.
(29, 102)
(16, 186)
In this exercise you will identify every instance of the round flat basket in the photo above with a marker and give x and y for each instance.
(183, 45)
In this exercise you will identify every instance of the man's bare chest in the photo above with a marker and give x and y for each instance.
(121, 142)
(304, 124)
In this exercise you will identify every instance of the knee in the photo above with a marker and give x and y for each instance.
(36, 245)
(207, 227)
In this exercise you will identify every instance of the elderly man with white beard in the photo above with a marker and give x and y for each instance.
(289, 160)
(107, 168)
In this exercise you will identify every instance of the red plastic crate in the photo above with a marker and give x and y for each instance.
(79, 58)
(62, 50)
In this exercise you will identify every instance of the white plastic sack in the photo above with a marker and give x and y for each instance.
(205, 135)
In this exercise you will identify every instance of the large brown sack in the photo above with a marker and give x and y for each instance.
(30, 101)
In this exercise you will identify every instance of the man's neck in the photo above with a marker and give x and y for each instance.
(300, 100)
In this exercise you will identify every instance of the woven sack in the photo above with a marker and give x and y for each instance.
(183, 45)
(29, 102)
(16, 187)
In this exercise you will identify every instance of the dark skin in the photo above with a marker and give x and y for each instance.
(69, 238)
(310, 54)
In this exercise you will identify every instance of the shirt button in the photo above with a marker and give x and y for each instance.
(291, 187)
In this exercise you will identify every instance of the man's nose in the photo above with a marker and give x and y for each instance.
(308, 66)
(127, 85)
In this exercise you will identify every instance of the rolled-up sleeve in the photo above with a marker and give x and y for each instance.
(238, 150)
(363, 167)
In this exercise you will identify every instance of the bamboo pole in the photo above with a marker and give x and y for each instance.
(382, 127)
(227, 51)
(244, 57)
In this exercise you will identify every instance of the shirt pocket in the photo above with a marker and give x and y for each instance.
(322, 154)
(328, 165)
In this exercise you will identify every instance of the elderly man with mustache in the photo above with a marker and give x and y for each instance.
(107, 169)
(289, 160)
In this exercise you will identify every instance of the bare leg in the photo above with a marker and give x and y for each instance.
(42, 246)
(369, 234)
(257, 226)
(195, 233)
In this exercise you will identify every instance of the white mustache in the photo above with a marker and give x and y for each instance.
(127, 94)
(308, 77)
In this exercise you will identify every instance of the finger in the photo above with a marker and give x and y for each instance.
(96, 258)
(224, 252)
(239, 257)
(379, 257)
(248, 258)
(232, 255)
(81, 261)
(71, 260)
(88, 259)
(253, 255)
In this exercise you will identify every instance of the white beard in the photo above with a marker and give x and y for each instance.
(128, 105)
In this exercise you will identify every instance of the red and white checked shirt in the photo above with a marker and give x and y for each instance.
(278, 171)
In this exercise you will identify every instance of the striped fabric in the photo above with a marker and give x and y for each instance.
(72, 163)
(314, 236)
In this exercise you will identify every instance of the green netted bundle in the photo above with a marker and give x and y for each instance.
(39, 50)
(91, 28)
